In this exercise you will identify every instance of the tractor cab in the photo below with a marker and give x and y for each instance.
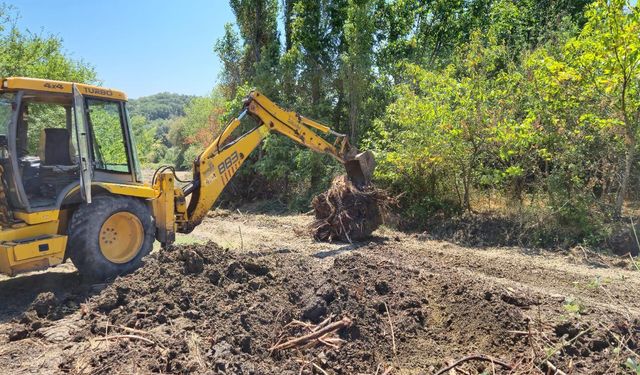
(57, 138)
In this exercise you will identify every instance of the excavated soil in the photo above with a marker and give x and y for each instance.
(415, 306)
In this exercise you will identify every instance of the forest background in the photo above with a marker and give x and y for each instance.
(521, 114)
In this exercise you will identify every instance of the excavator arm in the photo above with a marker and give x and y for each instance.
(219, 162)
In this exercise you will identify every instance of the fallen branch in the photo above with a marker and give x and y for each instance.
(553, 368)
(323, 323)
(633, 261)
(319, 368)
(133, 330)
(476, 357)
(299, 341)
(130, 337)
(393, 336)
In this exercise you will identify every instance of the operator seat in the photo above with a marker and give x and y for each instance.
(55, 147)
(57, 168)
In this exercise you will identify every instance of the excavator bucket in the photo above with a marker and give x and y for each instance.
(360, 168)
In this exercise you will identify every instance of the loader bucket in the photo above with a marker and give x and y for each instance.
(360, 168)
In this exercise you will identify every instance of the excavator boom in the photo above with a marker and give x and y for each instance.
(359, 166)
(219, 162)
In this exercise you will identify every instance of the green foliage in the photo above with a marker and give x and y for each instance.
(23, 53)
(573, 306)
(633, 365)
(163, 106)
(228, 50)
(534, 100)
(108, 135)
(144, 135)
(180, 140)
(553, 127)
(157, 123)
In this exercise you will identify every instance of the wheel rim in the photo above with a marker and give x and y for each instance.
(121, 237)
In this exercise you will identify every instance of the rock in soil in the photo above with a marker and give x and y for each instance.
(346, 213)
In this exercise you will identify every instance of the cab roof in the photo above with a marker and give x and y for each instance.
(23, 83)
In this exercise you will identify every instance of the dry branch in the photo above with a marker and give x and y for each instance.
(393, 336)
(315, 335)
(476, 357)
(555, 369)
(130, 337)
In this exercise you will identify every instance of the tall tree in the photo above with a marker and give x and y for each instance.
(23, 53)
(257, 21)
(607, 55)
(228, 50)
(357, 60)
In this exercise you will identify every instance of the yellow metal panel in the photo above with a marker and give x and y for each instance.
(31, 255)
(37, 248)
(21, 83)
(164, 209)
(139, 191)
(29, 231)
(37, 217)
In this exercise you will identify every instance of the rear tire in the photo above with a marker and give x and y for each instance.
(110, 236)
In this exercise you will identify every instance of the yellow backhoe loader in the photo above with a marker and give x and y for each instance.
(72, 184)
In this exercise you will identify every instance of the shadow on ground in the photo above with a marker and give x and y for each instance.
(375, 240)
(18, 294)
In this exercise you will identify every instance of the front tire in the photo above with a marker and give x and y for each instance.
(110, 236)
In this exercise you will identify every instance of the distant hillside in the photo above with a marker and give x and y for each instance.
(164, 105)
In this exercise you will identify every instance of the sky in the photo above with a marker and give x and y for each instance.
(141, 47)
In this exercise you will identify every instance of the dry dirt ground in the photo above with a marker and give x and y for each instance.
(415, 306)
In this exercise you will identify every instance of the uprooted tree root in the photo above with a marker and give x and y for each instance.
(346, 213)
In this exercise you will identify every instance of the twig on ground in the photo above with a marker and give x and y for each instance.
(635, 235)
(130, 337)
(633, 261)
(553, 368)
(133, 330)
(344, 230)
(319, 368)
(564, 345)
(313, 336)
(621, 342)
(584, 252)
(393, 336)
(322, 323)
(327, 343)
(588, 254)
(475, 357)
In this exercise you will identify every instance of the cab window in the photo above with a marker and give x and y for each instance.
(107, 136)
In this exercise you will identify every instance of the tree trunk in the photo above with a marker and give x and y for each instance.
(316, 81)
(288, 10)
(339, 108)
(628, 163)
(353, 106)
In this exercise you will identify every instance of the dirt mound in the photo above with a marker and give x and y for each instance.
(204, 309)
(346, 213)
